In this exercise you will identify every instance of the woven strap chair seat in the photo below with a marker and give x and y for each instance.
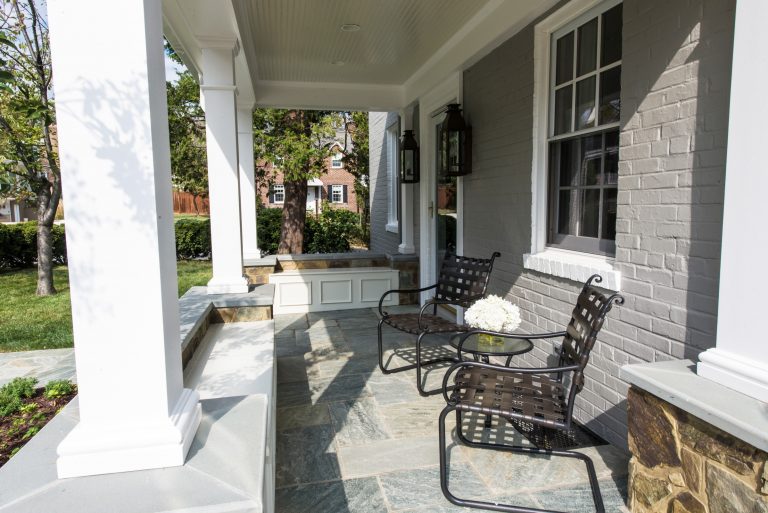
(511, 394)
(432, 323)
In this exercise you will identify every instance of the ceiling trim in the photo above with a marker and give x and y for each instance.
(328, 95)
(477, 38)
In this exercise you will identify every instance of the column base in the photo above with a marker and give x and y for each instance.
(228, 286)
(249, 254)
(735, 372)
(106, 449)
(406, 249)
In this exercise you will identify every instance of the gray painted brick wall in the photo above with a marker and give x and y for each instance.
(675, 92)
(382, 241)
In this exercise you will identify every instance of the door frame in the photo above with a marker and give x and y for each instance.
(430, 105)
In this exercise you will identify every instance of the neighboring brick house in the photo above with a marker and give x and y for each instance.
(336, 186)
(654, 147)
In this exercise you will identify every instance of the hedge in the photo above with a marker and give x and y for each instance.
(18, 245)
(193, 238)
(331, 232)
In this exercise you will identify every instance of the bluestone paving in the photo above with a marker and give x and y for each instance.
(377, 437)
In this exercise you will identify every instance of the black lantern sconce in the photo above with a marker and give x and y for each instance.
(409, 158)
(455, 144)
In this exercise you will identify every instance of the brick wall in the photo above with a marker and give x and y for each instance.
(332, 176)
(382, 241)
(675, 81)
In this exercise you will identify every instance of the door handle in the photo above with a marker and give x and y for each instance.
(431, 209)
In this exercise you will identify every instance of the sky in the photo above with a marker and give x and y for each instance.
(172, 70)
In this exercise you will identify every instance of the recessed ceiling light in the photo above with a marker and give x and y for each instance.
(338, 63)
(350, 27)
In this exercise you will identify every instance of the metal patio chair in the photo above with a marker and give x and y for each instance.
(461, 282)
(535, 398)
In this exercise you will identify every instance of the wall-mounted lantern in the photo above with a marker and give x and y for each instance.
(455, 144)
(409, 158)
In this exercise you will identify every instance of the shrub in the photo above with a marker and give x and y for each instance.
(193, 238)
(18, 245)
(268, 224)
(332, 231)
(58, 388)
(13, 392)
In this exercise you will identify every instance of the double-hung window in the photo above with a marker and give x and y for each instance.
(583, 132)
(336, 161)
(337, 194)
(278, 193)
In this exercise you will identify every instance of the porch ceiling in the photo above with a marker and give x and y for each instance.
(297, 54)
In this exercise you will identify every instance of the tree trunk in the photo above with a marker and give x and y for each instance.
(294, 216)
(46, 212)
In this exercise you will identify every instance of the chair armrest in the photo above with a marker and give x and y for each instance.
(501, 368)
(404, 291)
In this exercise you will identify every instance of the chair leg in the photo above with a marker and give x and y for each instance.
(420, 364)
(387, 370)
(469, 503)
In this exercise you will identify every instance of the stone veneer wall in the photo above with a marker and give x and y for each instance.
(681, 464)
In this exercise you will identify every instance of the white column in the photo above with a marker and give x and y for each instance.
(740, 360)
(219, 96)
(247, 181)
(115, 160)
(406, 246)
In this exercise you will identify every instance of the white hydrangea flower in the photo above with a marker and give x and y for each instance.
(493, 314)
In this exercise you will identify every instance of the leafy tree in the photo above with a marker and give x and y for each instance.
(27, 119)
(186, 127)
(356, 162)
(300, 141)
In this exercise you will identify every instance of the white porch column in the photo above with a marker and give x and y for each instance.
(247, 180)
(115, 160)
(406, 246)
(740, 360)
(219, 95)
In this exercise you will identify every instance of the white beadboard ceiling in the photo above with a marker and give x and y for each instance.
(288, 48)
(299, 40)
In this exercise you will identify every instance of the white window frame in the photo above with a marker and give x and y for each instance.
(281, 188)
(336, 162)
(337, 189)
(392, 143)
(557, 262)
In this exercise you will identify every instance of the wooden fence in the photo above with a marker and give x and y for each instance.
(184, 203)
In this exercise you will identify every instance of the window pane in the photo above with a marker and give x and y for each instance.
(610, 47)
(610, 97)
(590, 212)
(567, 155)
(566, 217)
(587, 58)
(563, 110)
(564, 64)
(591, 152)
(609, 213)
(611, 172)
(585, 103)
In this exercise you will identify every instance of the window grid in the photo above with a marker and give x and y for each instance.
(278, 192)
(337, 194)
(577, 184)
(336, 161)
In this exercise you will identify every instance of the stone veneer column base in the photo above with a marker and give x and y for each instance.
(681, 464)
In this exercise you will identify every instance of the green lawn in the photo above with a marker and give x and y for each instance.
(29, 322)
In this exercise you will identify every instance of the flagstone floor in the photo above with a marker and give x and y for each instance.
(353, 440)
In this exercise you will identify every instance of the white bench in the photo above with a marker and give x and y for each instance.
(317, 290)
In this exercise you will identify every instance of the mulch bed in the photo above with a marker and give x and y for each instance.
(17, 429)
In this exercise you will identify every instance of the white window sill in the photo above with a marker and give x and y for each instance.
(574, 266)
(392, 227)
